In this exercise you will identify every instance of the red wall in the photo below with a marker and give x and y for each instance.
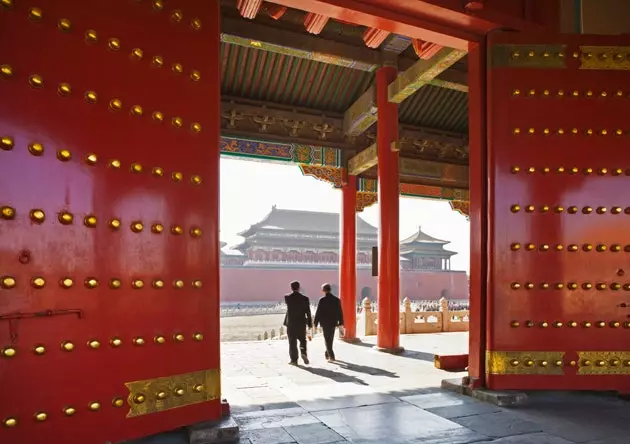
(269, 285)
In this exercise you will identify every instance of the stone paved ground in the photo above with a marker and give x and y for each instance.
(371, 397)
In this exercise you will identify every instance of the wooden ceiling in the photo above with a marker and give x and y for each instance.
(289, 76)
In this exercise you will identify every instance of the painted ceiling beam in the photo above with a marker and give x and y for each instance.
(426, 170)
(422, 73)
(363, 161)
(285, 124)
(363, 113)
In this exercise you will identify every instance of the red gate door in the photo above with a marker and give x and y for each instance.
(559, 240)
(109, 318)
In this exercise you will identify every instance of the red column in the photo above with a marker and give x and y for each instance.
(212, 44)
(478, 212)
(348, 262)
(388, 195)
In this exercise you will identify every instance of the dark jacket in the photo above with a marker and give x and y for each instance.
(329, 312)
(298, 311)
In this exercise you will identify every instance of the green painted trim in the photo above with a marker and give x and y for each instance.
(315, 157)
(280, 152)
(256, 157)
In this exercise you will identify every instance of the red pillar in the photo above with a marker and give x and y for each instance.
(388, 194)
(211, 197)
(348, 262)
(478, 212)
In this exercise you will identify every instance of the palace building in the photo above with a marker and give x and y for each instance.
(304, 245)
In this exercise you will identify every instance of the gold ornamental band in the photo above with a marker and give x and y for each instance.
(528, 56)
(604, 363)
(524, 362)
(605, 58)
(170, 392)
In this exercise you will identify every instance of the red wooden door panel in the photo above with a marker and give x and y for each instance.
(109, 310)
(559, 162)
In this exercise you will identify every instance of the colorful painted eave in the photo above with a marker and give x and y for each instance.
(324, 164)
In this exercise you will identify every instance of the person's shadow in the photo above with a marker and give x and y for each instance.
(366, 369)
(335, 376)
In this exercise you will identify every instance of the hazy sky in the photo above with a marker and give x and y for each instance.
(249, 189)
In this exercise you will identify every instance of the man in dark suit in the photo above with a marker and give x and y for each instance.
(329, 315)
(296, 320)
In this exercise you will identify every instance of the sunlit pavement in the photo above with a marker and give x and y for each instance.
(369, 396)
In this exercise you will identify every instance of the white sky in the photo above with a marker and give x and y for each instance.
(249, 189)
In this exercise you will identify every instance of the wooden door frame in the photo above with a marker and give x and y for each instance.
(447, 23)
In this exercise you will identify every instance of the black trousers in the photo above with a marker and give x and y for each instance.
(329, 336)
(295, 335)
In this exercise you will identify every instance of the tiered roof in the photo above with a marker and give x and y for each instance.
(422, 243)
(305, 221)
(296, 222)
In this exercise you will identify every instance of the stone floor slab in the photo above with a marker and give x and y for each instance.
(274, 421)
(372, 397)
(176, 437)
(313, 434)
(349, 401)
(268, 436)
(530, 438)
(457, 436)
(387, 422)
(464, 409)
(498, 425)
(611, 440)
(437, 399)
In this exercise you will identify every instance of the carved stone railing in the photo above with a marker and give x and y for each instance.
(412, 322)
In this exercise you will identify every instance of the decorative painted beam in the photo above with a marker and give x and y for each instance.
(462, 207)
(311, 155)
(433, 192)
(362, 114)
(326, 174)
(448, 174)
(421, 73)
(363, 161)
(324, 164)
(365, 200)
(368, 198)
(281, 124)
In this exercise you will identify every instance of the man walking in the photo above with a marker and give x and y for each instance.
(296, 320)
(329, 315)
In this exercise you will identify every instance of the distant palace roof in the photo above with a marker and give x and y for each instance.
(422, 242)
(422, 237)
(309, 221)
